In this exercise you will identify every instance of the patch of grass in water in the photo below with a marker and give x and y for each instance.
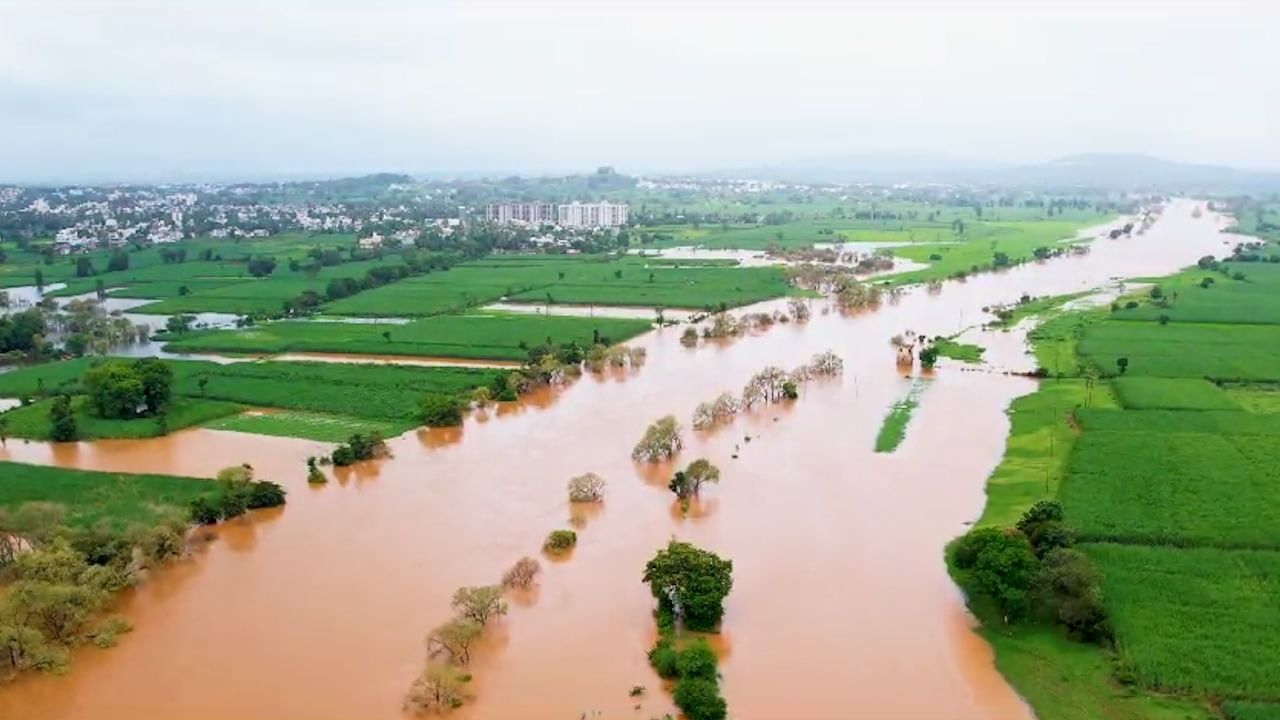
(894, 429)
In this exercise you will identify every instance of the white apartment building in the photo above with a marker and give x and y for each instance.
(533, 213)
(573, 215)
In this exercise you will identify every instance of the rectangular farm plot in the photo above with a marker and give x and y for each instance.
(1217, 352)
(1198, 620)
(1170, 489)
(1145, 393)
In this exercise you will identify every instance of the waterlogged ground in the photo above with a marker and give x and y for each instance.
(841, 604)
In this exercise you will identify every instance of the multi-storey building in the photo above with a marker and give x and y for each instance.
(575, 215)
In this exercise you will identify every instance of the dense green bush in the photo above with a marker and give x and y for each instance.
(664, 659)
(699, 699)
(697, 660)
(560, 541)
(265, 494)
(440, 410)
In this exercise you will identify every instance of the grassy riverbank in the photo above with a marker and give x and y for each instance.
(1164, 465)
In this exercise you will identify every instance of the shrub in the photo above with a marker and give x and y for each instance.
(440, 410)
(586, 488)
(62, 420)
(560, 541)
(205, 511)
(697, 661)
(664, 659)
(522, 574)
(265, 494)
(359, 447)
(314, 475)
(699, 699)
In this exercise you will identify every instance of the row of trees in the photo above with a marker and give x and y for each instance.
(690, 585)
(442, 685)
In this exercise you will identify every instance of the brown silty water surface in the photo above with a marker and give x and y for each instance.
(841, 605)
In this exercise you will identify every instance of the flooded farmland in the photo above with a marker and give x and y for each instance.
(841, 605)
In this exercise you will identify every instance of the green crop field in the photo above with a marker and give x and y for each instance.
(381, 397)
(1196, 619)
(1254, 300)
(32, 421)
(1248, 710)
(1171, 488)
(1199, 350)
(1174, 496)
(1149, 393)
(495, 336)
(90, 497)
(312, 426)
(578, 279)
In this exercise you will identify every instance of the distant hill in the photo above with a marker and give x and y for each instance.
(1098, 171)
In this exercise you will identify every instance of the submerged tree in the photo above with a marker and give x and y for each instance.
(690, 583)
(440, 688)
(661, 441)
(455, 639)
(522, 574)
(480, 603)
(686, 483)
(586, 488)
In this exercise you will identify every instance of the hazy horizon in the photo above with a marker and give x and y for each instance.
(116, 91)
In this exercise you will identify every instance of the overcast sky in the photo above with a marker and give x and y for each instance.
(115, 90)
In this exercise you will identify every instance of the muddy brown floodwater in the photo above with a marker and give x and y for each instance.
(841, 605)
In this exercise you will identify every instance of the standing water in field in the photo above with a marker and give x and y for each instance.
(841, 605)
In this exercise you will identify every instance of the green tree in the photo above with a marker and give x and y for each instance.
(1000, 564)
(114, 390)
(62, 420)
(691, 583)
(156, 377)
(118, 262)
(1068, 585)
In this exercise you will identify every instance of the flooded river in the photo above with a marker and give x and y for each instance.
(841, 605)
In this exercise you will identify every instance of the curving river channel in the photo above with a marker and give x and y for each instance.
(841, 605)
